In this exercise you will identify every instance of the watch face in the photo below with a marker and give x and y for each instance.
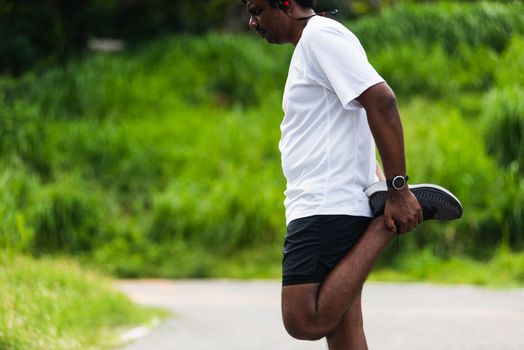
(398, 182)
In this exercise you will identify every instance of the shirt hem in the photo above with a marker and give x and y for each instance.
(329, 211)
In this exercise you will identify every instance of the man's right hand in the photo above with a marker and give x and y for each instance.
(402, 212)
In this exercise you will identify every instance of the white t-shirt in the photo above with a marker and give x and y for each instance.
(328, 151)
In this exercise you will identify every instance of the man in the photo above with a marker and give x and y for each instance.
(337, 107)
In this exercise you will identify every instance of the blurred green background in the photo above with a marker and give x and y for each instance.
(155, 153)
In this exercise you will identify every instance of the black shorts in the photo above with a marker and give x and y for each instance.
(315, 244)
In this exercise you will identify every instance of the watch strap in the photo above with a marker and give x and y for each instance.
(389, 183)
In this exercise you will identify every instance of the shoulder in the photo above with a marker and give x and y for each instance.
(325, 30)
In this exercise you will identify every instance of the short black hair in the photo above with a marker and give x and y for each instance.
(302, 3)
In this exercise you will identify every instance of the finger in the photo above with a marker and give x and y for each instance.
(402, 228)
(390, 224)
(414, 222)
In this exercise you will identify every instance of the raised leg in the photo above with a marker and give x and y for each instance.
(313, 311)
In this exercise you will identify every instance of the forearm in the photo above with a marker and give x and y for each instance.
(402, 211)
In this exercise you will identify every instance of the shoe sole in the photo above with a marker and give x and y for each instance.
(437, 202)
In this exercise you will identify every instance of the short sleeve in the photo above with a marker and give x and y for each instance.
(340, 61)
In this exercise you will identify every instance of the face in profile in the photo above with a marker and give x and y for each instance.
(267, 21)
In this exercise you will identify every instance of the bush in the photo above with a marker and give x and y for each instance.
(137, 158)
(229, 195)
(228, 215)
(511, 202)
(22, 128)
(68, 216)
(449, 25)
(503, 123)
(503, 129)
(216, 70)
(510, 69)
(17, 187)
(417, 69)
(442, 148)
(223, 69)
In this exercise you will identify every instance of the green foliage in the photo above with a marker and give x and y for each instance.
(16, 192)
(503, 117)
(22, 127)
(504, 269)
(231, 213)
(214, 69)
(58, 305)
(415, 68)
(504, 125)
(441, 50)
(443, 148)
(510, 70)
(448, 24)
(512, 205)
(221, 69)
(67, 216)
(503, 130)
(144, 175)
(163, 160)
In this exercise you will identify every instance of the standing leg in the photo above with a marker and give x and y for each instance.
(312, 311)
(349, 333)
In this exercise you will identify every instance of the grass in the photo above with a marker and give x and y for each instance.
(504, 270)
(56, 304)
(263, 262)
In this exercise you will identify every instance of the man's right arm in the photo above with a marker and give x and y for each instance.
(402, 212)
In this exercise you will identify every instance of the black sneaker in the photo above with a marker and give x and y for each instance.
(437, 202)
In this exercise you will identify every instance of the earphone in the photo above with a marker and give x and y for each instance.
(283, 5)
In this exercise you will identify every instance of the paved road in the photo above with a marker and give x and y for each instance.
(235, 315)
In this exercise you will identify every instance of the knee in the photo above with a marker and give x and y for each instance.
(304, 332)
(305, 328)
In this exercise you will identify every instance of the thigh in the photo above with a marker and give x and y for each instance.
(339, 235)
(315, 244)
(299, 306)
(301, 251)
(297, 299)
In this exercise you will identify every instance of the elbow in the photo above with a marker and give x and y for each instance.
(379, 101)
(387, 102)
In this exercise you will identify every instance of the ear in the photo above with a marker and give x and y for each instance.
(284, 5)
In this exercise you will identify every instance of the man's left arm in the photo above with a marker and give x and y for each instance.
(402, 212)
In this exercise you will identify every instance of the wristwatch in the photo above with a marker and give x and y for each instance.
(398, 182)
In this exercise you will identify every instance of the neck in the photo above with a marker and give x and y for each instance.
(299, 19)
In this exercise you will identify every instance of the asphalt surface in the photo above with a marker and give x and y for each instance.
(237, 315)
